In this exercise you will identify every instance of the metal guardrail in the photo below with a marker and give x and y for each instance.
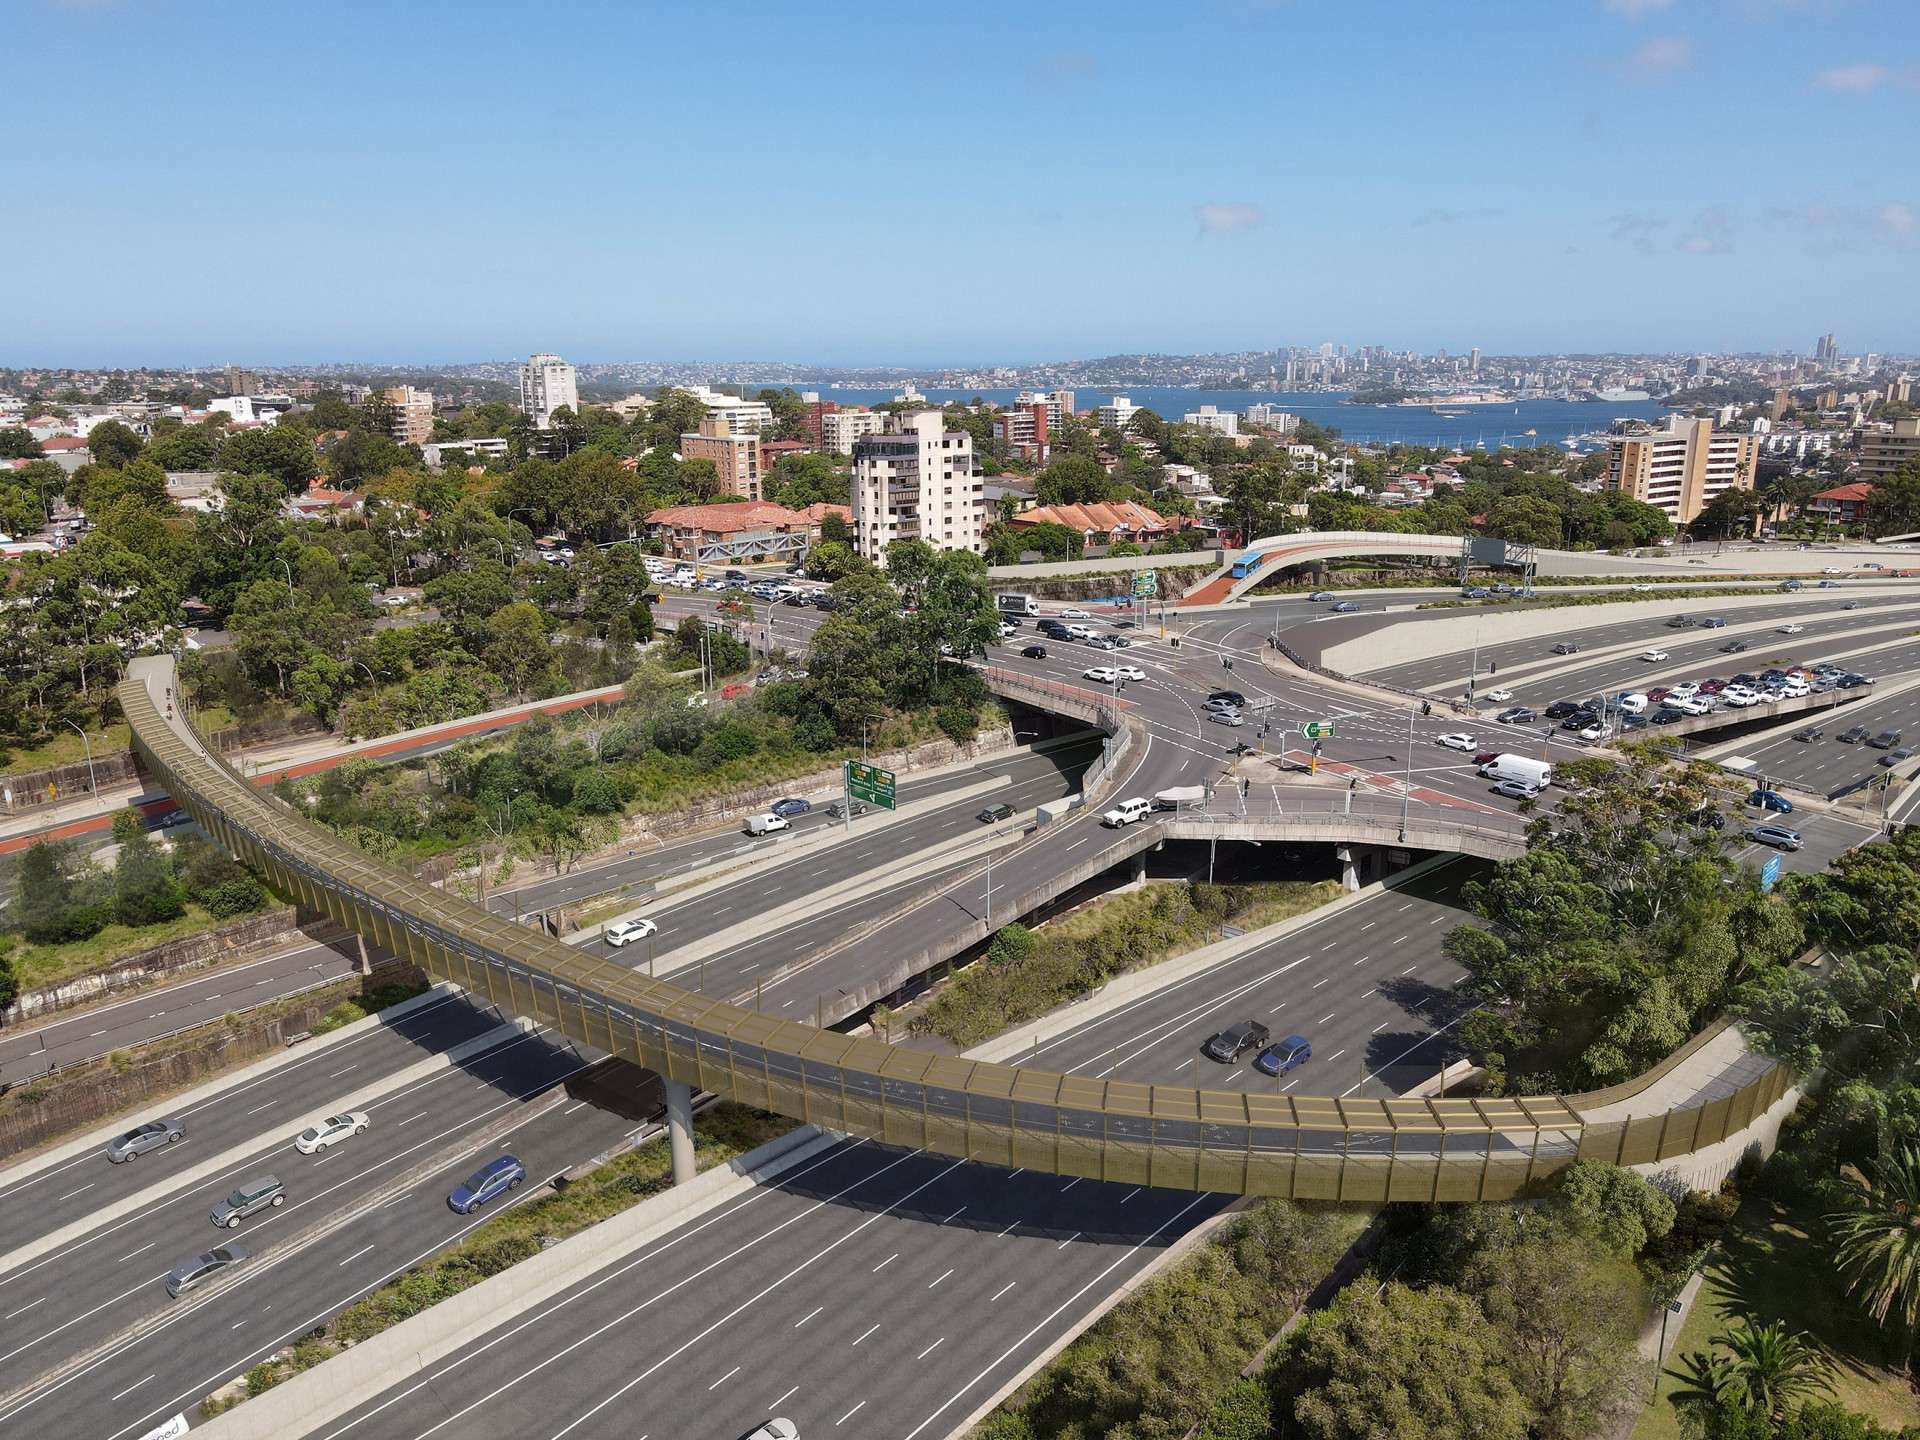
(1310, 1147)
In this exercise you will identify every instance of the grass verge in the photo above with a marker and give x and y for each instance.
(41, 965)
(1771, 1265)
(722, 1132)
(65, 748)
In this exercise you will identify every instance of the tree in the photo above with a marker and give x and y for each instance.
(808, 479)
(517, 646)
(1072, 480)
(1615, 1208)
(17, 443)
(145, 891)
(113, 444)
(1392, 1363)
(185, 447)
(287, 455)
(1877, 1245)
(835, 529)
(1762, 1371)
(1894, 506)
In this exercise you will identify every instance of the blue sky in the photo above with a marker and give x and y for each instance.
(431, 181)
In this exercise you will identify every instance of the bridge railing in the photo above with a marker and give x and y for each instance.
(1347, 1148)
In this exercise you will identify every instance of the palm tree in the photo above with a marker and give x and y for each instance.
(1763, 1371)
(1878, 1244)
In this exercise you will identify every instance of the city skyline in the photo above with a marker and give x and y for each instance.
(1613, 175)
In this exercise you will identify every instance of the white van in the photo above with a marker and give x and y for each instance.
(1537, 773)
(1633, 703)
(1126, 812)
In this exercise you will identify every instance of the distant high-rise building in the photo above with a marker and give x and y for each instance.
(412, 419)
(241, 382)
(917, 481)
(1681, 468)
(1826, 352)
(839, 429)
(743, 417)
(1778, 410)
(1697, 367)
(1022, 431)
(546, 383)
(1473, 361)
(1117, 412)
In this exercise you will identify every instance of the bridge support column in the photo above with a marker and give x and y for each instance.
(1356, 864)
(366, 965)
(680, 1130)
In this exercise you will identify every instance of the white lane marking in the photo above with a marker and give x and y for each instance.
(850, 1414)
(141, 1251)
(258, 1108)
(808, 1316)
(338, 1073)
(354, 1256)
(776, 1404)
(96, 1032)
(1131, 1193)
(884, 1263)
(71, 1193)
(1069, 1240)
(411, 1118)
(1326, 1017)
(866, 1332)
(723, 1379)
(1070, 1184)
(931, 1348)
(1336, 1054)
(1381, 1026)
(131, 1388)
(949, 1219)
(24, 1308)
(1410, 969)
(1001, 1291)
(1318, 983)
(933, 1283)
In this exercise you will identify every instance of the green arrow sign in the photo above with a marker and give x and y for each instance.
(1318, 730)
(1146, 584)
(871, 784)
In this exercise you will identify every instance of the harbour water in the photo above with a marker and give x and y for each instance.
(1492, 426)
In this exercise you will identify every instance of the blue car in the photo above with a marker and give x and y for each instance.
(496, 1177)
(1346, 607)
(787, 809)
(1771, 800)
(1290, 1054)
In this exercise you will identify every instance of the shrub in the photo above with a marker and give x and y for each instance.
(233, 897)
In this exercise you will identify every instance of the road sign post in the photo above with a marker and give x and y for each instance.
(871, 784)
(1318, 729)
(1770, 873)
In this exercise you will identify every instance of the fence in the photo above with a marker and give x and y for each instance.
(62, 784)
(1313, 1147)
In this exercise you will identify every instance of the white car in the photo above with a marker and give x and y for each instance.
(776, 1429)
(1640, 589)
(1790, 629)
(1131, 672)
(1654, 656)
(330, 1131)
(1075, 615)
(1592, 732)
(1104, 674)
(623, 932)
(1685, 690)
(1693, 704)
(1499, 696)
(1080, 632)
(1738, 697)
(1454, 740)
(1833, 570)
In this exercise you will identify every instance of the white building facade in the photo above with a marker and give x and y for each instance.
(839, 429)
(1209, 417)
(546, 383)
(743, 417)
(1117, 412)
(917, 480)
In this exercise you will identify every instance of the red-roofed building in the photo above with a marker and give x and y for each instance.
(1843, 504)
(738, 530)
(322, 504)
(1117, 520)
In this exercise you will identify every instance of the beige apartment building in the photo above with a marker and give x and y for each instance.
(1884, 451)
(736, 456)
(1682, 467)
(412, 422)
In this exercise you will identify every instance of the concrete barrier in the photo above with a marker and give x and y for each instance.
(353, 1377)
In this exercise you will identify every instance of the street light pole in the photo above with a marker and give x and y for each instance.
(1406, 785)
(93, 785)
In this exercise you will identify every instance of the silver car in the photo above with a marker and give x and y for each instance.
(249, 1198)
(142, 1138)
(189, 1274)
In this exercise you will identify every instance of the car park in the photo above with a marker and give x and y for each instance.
(1455, 740)
(1230, 1044)
(1852, 735)
(1346, 607)
(1566, 647)
(249, 1197)
(1778, 836)
(1289, 1054)
(791, 807)
(625, 932)
(142, 1138)
(192, 1273)
(1885, 740)
(1515, 789)
(1034, 652)
(1770, 800)
(495, 1178)
(995, 813)
(1518, 715)
(325, 1134)
(1811, 733)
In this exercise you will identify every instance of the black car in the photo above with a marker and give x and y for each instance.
(1232, 697)
(1896, 755)
(1853, 680)
(994, 814)
(1853, 735)
(1233, 1042)
(1812, 732)
(838, 809)
(1566, 647)
(1733, 647)
(1666, 715)
(1885, 740)
(1680, 622)
(1633, 722)
(1035, 652)
(798, 600)
(1708, 817)
(1559, 709)
(823, 601)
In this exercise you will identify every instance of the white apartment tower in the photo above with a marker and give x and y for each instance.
(546, 383)
(916, 480)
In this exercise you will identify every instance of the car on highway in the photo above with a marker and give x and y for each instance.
(838, 810)
(1733, 647)
(1680, 622)
(1319, 597)
(1346, 607)
(1885, 740)
(1498, 697)
(1290, 1054)
(1103, 642)
(995, 813)
(1851, 605)
(1811, 733)
(1791, 585)
(1231, 1043)
(1566, 647)
(324, 1134)
(766, 824)
(1231, 697)
(496, 1177)
(1131, 672)
(791, 806)
(1789, 629)
(1654, 656)
(1853, 680)
(1833, 570)
(195, 1272)
(1454, 740)
(1896, 755)
(1100, 674)
(1714, 622)
(1475, 592)
(775, 1429)
(142, 1138)
(1079, 632)
(1227, 717)
(1516, 789)
(1518, 715)
(1778, 836)
(1034, 652)
(625, 932)
(1828, 585)
(249, 1197)
(1770, 800)
(1075, 614)
(1136, 807)
(1853, 735)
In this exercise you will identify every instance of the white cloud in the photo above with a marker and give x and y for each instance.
(1223, 217)
(1711, 233)
(1838, 229)
(1899, 220)
(1864, 79)
(1635, 9)
(1662, 55)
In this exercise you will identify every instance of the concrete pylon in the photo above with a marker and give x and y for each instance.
(680, 1130)
(1352, 860)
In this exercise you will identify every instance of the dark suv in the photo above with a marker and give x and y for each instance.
(1233, 1042)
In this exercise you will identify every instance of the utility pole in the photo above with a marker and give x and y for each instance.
(93, 784)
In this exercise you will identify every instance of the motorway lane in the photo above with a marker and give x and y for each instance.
(1826, 764)
(66, 1038)
(1372, 1041)
(286, 1098)
(869, 1292)
(199, 1346)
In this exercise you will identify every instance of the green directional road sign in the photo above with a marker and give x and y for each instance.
(1318, 729)
(1146, 584)
(871, 784)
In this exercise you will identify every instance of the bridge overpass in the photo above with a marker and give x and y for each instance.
(1308, 1147)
